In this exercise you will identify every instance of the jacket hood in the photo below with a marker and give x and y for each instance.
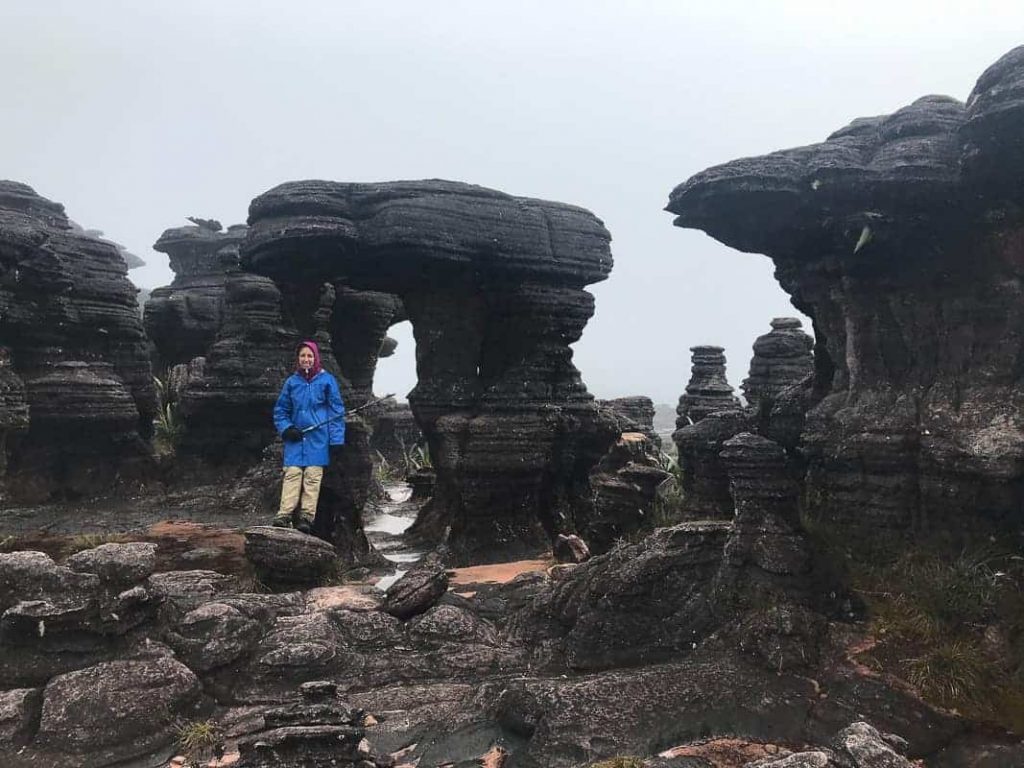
(316, 360)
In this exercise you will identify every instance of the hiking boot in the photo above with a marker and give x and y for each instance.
(305, 526)
(282, 522)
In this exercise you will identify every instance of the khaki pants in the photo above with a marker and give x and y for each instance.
(304, 482)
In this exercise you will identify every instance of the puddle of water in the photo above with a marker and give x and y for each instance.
(389, 524)
(403, 557)
(386, 581)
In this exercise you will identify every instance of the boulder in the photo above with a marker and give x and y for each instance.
(417, 590)
(285, 556)
(116, 710)
(117, 563)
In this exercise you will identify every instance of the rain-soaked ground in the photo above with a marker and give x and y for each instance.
(191, 533)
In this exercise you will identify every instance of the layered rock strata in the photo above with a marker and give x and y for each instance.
(782, 357)
(708, 390)
(183, 318)
(396, 434)
(73, 350)
(703, 474)
(493, 286)
(901, 237)
(636, 414)
(625, 489)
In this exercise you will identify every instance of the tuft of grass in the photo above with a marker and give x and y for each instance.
(197, 738)
(951, 673)
(384, 472)
(620, 762)
(83, 541)
(8, 544)
(947, 618)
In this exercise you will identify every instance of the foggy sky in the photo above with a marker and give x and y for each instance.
(136, 115)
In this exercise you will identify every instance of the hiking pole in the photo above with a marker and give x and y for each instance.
(346, 413)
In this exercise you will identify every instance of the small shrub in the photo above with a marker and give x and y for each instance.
(169, 426)
(197, 739)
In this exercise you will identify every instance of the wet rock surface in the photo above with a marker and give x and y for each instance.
(418, 589)
(73, 352)
(282, 555)
(918, 415)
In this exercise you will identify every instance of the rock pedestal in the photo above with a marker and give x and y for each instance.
(781, 358)
(73, 350)
(902, 237)
(183, 318)
(493, 286)
(708, 390)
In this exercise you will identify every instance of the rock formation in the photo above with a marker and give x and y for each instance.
(704, 476)
(396, 433)
(183, 318)
(636, 414)
(493, 286)
(72, 349)
(781, 358)
(901, 237)
(625, 486)
(708, 390)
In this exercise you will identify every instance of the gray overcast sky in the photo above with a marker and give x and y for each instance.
(137, 114)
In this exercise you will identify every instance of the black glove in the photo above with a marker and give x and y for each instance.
(291, 435)
(335, 450)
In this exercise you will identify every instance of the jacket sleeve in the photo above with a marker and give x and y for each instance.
(335, 407)
(283, 409)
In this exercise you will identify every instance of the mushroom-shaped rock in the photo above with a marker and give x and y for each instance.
(115, 710)
(418, 589)
(493, 286)
(117, 563)
(900, 237)
(286, 556)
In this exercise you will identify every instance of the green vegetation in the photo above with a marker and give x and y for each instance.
(668, 506)
(82, 541)
(197, 739)
(620, 762)
(169, 425)
(947, 618)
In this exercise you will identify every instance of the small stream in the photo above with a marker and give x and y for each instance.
(384, 529)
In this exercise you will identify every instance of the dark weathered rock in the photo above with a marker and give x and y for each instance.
(418, 589)
(19, 711)
(116, 710)
(396, 434)
(282, 555)
(571, 549)
(183, 319)
(781, 358)
(359, 322)
(116, 563)
(13, 409)
(422, 481)
(638, 603)
(625, 485)
(227, 408)
(636, 414)
(213, 635)
(708, 390)
(493, 286)
(921, 395)
(74, 352)
(704, 476)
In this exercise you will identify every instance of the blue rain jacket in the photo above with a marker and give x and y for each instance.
(302, 404)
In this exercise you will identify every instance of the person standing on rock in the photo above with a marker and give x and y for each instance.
(310, 418)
